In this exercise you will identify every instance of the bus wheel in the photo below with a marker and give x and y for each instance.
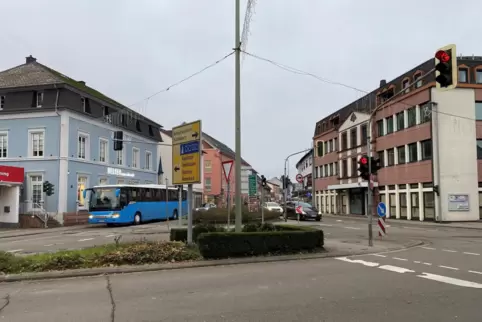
(174, 214)
(137, 218)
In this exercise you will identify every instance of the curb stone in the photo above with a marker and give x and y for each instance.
(99, 271)
(411, 223)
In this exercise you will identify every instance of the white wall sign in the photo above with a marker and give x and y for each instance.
(120, 173)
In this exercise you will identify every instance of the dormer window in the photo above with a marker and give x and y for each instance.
(39, 99)
(138, 126)
(151, 132)
(406, 85)
(418, 76)
(85, 105)
(2, 102)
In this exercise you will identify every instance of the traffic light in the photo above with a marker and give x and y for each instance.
(48, 188)
(363, 168)
(263, 181)
(118, 140)
(446, 70)
(375, 165)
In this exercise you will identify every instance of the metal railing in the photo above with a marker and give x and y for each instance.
(35, 209)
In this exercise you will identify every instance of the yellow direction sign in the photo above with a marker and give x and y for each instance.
(186, 153)
(186, 133)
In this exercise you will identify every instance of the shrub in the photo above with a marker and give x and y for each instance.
(180, 234)
(283, 239)
(220, 216)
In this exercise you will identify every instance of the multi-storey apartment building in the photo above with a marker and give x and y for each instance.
(60, 130)
(429, 143)
(305, 168)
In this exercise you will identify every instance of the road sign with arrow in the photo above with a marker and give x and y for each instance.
(186, 153)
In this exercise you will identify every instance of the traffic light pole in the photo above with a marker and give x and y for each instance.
(369, 151)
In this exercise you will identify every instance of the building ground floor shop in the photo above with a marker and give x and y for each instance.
(404, 201)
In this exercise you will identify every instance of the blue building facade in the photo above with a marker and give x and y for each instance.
(72, 152)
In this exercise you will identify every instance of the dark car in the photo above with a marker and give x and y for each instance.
(307, 211)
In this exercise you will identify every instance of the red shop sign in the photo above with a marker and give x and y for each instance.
(11, 174)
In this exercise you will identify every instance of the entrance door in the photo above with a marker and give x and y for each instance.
(35, 192)
(356, 201)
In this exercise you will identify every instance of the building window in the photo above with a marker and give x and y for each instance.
(344, 168)
(327, 174)
(85, 105)
(390, 124)
(335, 144)
(406, 85)
(331, 169)
(416, 77)
(119, 157)
(412, 152)
(83, 146)
(392, 198)
(103, 150)
(380, 128)
(479, 149)
(207, 184)
(319, 148)
(400, 121)
(121, 181)
(81, 186)
(401, 154)
(151, 132)
(412, 116)
(391, 157)
(429, 205)
(207, 166)
(36, 190)
(327, 148)
(364, 134)
(463, 75)
(148, 160)
(381, 157)
(39, 99)
(403, 204)
(425, 113)
(427, 149)
(2, 102)
(103, 182)
(354, 167)
(332, 204)
(353, 138)
(478, 76)
(335, 168)
(36, 143)
(415, 204)
(136, 158)
(344, 143)
(478, 111)
(3, 145)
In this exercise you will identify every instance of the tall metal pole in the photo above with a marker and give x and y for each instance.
(189, 213)
(285, 215)
(262, 204)
(167, 203)
(369, 203)
(179, 206)
(229, 203)
(237, 115)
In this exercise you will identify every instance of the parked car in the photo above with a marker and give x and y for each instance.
(273, 206)
(206, 206)
(307, 211)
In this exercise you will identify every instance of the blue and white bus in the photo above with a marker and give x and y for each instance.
(133, 204)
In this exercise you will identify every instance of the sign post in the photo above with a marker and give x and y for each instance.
(186, 162)
(227, 167)
(299, 178)
(382, 212)
(179, 207)
(253, 190)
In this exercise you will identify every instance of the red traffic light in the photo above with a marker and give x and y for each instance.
(363, 160)
(443, 56)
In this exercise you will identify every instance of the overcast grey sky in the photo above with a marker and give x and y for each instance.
(131, 49)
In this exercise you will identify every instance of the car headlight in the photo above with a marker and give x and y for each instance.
(115, 216)
(90, 216)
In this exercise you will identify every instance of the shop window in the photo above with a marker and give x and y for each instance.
(402, 197)
(429, 205)
(393, 205)
(415, 205)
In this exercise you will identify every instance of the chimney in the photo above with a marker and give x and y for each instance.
(30, 59)
(383, 82)
(81, 83)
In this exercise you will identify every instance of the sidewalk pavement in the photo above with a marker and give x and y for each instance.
(9, 233)
(464, 225)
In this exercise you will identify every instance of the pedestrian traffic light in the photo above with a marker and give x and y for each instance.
(263, 181)
(363, 167)
(446, 70)
(118, 140)
(375, 165)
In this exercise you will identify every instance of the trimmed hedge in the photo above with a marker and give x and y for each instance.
(281, 239)
(180, 234)
(220, 216)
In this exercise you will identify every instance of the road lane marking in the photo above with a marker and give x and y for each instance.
(429, 248)
(325, 225)
(448, 267)
(396, 269)
(48, 245)
(86, 239)
(428, 264)
(339, 220)
(355, 228)
(475, 254)
(109, 236)
(475, 272)
(358, 261)
(14, 250)
(379, 255)
(450, 280)
(400, 259)
(417, 262)
(449, 250)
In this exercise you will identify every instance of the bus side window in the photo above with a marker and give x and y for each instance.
(148, 194)
(134, 194)
(172, 195)
(162, 194)
(141, 194)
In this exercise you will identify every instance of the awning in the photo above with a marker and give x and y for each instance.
(362, 184)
